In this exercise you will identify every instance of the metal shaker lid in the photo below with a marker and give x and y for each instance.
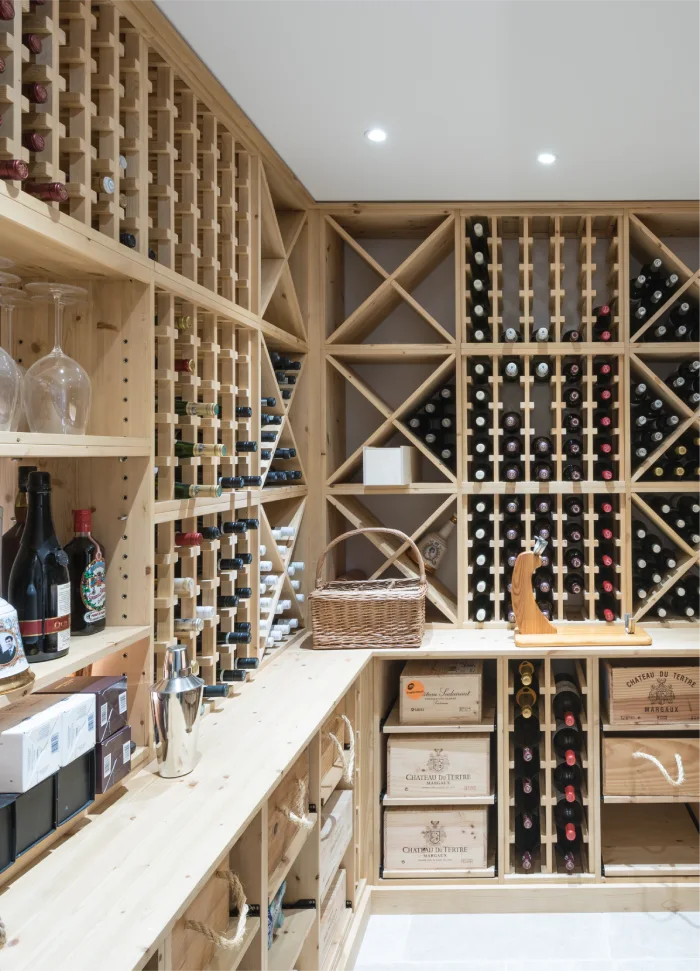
(177, 662)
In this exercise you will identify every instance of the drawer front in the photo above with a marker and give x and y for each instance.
(435, 839)
(336, 833)
(627, 773)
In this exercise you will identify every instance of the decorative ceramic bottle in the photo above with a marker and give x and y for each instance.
(432, 547)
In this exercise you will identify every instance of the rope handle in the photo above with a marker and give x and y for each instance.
(362, 532)
(237, 900)
(346, 757)
(662, 769)
(298, 815)
(3, 933)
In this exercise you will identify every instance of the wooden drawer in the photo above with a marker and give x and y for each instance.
(336, 833)
(439, 765)
(436, 838)
(627, 774)
(280, 829)
(332, 913)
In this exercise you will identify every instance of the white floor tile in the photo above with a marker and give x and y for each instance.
(663, 941)
(658, 935)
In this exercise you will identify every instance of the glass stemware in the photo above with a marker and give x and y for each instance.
(10, 378)
(10, 298)
(56, 388)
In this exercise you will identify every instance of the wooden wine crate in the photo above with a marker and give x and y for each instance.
(336, 833)
(440, 692)
(281, 830)
(438, 765)
(627, 774)
(191, 950)
(656, 693)
(435, 839)
(332, 911)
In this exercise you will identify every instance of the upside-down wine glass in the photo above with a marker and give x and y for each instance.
(10, 376)
(56, 388)
(10, 299)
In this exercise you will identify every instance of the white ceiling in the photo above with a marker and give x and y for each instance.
(469, 92)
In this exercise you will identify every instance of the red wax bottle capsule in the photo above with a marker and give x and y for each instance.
(608, 587)
(606, 559)
(570, 794)
(188, 539)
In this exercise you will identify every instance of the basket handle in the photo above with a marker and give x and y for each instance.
(361, 532)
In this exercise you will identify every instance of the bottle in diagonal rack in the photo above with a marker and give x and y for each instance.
(434, 545)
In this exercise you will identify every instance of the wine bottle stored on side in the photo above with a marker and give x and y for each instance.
(39, 586)
(567, 702)
(87, 569)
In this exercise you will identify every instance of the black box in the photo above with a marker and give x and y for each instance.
(35, 814)
(7, 830)
(75, 787)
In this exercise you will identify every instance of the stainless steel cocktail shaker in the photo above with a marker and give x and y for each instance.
(177, 703)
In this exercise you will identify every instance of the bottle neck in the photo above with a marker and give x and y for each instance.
(39, 522)
(21, 506)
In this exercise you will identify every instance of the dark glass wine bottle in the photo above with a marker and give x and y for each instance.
(39, 586)
(567, 699)
(87, 569)
(11, 539)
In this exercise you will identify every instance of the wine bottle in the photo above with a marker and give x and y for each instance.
(512, 471)
(511, 421)
(542, 370)
(184, 490)
(572, 421)
(480, 371)
(566, 845)
(33, 141)
(512, 531)
(604, 471)
(511, 370)
(527, 795)
(482, 609)
(39, 585)
(478, 236)
(567, 701)
(543, 580)
(196, 449)
(47, 191)
(573, 558)
(573, 583)
(572, 473)
(526, 673)
(573, 506)
(199, 409)
(572, 397)
(542, 471)
(573, 532)
(540, 335)
(11, 539)
(527, 760)
(87, 570)
(567, 742)
(510, 336)
(527, 838)
(567, 811)
(512, 446)
(512, 505)
(567, 779)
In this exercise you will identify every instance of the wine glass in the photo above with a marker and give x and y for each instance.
(10, 378)
(56, 388)
(10, 298)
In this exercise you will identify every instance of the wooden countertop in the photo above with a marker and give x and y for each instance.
(104, 896)
(120, 881)
(490, 642)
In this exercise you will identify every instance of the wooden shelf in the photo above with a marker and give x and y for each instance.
(224, 960)
(290, 938)
(649, 841)
(33, 445)
(287, 862)
(392, 725)
(83, 652)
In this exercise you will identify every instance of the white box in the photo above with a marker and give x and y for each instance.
(30, 742)
(336, 833)
(389, 466)
(78, 727)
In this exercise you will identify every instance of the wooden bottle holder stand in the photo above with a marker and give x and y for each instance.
(533, 628)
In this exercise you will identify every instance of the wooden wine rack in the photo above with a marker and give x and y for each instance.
(548, 265)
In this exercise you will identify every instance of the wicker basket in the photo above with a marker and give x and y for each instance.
(368, 613)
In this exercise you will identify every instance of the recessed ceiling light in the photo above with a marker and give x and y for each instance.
(376, 135)
(546, 158)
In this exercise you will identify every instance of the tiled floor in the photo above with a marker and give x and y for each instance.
(532, 942)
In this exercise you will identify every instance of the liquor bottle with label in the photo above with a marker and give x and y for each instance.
(39, 585)
(11, 539)
(87, 569)
(433, 546)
